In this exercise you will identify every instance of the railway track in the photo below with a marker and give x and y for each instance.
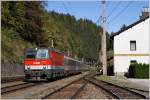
(38, 91)
(117, 92)
(11, 80)
(21, 85)
(77, 87)
(69, 91)
(8, 81)
(16, 87)
(137, 89)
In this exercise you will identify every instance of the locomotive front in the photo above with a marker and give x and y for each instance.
(37, 63)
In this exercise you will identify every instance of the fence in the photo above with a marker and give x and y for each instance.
(10, 70)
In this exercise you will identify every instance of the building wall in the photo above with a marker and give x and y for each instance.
(122, 63)
(122, 53)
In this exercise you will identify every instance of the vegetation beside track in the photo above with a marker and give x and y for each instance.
(138, 70)
(107, 79)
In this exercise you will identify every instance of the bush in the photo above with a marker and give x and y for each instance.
(131, 70)
(139, 70)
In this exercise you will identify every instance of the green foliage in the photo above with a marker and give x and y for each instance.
(139, 70)
(98, 67)
(12, 15)
(31, 30)
(27, 24)
(131, 71)
(19, 30)
(80, 37)
(12, 47)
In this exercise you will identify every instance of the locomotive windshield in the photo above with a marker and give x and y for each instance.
(42, 54)
(31, 54)
(37, 54)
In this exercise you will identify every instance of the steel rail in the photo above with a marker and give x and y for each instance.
(101, 84)
(59, 89)
(143, 96)
(137, 89)
(16, 87)
(78, 91)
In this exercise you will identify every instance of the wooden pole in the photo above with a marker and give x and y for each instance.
(103, 45)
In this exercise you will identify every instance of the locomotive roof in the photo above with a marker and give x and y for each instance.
(51, 49)
(56, 50)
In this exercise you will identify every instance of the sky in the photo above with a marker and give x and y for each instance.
(117, 12)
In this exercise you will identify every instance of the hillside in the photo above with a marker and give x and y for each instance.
(28, 24)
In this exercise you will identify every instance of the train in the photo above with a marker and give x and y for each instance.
(49, 63)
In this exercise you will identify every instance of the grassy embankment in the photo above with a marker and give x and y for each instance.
(109, 79)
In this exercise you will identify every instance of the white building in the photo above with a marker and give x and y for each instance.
(132, 44)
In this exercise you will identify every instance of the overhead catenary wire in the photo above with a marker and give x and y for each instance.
(99, 19)
(63, 3)
(70, 5)
(111, 12)
(117, 15)
(114, 9)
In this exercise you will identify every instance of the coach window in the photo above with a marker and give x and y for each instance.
(132, 45)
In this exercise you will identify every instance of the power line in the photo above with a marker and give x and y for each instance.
(107, 4)
(120, 12)
(117, 5)
(99, 18)
(70, 6)
(65, 6)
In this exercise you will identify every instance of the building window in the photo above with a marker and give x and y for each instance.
(132, 45)
(133, 61)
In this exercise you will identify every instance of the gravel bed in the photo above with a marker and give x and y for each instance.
(37, 92)
(127, 83)
(67, 92)
(141, 92)
(91, 91)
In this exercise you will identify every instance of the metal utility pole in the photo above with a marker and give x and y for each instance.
(52, 43)
(76, 57)
(82, 59)
(68, 53)
(103, 42)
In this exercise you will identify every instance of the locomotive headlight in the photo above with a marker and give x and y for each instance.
(27, 67)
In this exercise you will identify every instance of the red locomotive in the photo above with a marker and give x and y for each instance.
(48, 63)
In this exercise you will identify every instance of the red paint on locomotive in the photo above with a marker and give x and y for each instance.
(57, 58)
(37, 62)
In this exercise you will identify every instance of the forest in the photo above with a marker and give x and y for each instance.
(28, 24)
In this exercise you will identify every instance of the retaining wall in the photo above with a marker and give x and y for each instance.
(11, 70)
